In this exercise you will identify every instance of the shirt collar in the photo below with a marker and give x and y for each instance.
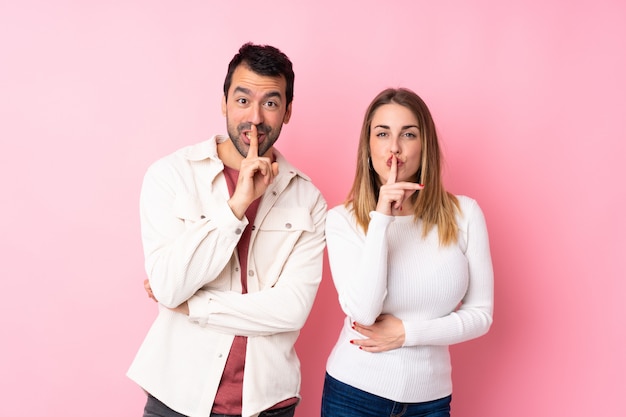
(205, 150)
(208, 150)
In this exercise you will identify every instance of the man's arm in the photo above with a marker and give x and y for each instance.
(282, 308)
(184, 248)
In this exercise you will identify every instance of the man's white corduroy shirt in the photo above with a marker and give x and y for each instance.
(190, 236)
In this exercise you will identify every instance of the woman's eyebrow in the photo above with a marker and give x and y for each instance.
(403, 127)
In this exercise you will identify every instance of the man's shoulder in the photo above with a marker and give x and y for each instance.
(296, 183)
(197, 151)
(206, 149)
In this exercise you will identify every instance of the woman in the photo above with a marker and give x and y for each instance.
(412, 268)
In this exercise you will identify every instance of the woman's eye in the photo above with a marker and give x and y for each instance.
(381, 134)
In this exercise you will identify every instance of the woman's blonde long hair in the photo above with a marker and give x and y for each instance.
(434, 205)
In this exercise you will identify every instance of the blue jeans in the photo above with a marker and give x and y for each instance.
(155, 408)
(343, 400)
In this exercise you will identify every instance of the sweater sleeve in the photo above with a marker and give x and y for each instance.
(474, 316)
(358, 263)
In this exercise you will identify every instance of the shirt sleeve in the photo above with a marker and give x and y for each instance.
(283, 307)
(184, 247)
(474, 316)
(358, 263)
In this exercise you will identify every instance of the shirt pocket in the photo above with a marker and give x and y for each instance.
(275, 240)
(294, 219)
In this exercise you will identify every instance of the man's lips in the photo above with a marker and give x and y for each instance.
(246, 138)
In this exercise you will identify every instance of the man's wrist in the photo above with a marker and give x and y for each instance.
(237, 208)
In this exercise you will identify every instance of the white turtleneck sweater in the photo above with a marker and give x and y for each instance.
(442, 294)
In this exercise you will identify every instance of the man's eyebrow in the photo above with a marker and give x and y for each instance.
(272, 94)
(243, 90)
(248, 92)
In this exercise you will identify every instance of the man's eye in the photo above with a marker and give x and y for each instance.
(242, 100)
(271, 104)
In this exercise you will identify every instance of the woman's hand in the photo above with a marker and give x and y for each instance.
(392, 194)
(387, 333)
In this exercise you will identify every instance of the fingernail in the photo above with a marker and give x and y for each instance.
(421, 185)
(352, 341)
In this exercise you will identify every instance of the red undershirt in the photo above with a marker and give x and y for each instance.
(228, 399)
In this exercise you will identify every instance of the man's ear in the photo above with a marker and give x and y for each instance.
(287, 114)
(224, 106)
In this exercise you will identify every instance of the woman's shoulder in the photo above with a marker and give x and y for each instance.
(469, 210)
(341, 210)
(466, 202)
(340, 216)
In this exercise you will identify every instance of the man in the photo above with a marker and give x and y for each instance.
(233, 238)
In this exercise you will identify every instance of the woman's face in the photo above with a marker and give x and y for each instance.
(395, 131)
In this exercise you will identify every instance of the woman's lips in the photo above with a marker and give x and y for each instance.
(389, 161)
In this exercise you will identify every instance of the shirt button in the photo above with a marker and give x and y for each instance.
(236, 269)
(219, 355)
(273, 192)
(203, 217)
(288, 225)
(237, 231)
(251, 273)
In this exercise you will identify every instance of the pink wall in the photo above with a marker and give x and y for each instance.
(530, 99)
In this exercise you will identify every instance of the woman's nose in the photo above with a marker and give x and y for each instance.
(395, 147)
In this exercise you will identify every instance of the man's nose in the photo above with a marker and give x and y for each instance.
(255, 115)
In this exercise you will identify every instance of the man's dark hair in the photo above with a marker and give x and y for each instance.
(263, 60)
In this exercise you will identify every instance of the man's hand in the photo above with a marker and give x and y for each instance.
(255, 175)
(146, 286)
(183, 308)
(393, 194)
(387, 333)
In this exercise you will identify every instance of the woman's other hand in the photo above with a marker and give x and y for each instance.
(387, 333)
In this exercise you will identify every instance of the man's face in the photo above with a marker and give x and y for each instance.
(259, 100)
